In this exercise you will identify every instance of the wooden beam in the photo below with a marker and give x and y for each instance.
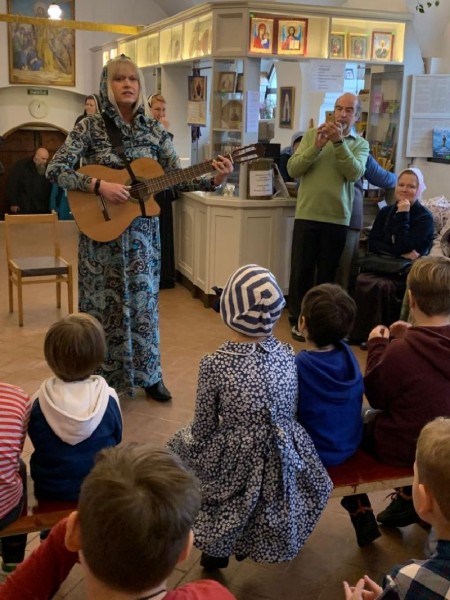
(69, 24)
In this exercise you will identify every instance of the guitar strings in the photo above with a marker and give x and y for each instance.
(159, 183)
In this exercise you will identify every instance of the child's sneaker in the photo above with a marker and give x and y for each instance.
(8, 568)
(400, 511)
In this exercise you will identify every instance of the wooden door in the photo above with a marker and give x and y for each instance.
(22, 143)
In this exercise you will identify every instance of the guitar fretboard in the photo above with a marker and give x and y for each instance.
(157, 184)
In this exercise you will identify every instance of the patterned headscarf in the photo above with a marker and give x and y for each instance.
(251, 301)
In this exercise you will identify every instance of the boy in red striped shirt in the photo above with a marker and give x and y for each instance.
(15, 406)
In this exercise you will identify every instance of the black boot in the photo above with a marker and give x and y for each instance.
(158, 392)
(361, 515)
(400, 511)
(211, 563)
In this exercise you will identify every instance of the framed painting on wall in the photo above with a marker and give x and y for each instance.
(226, 82)
(286, 111)
(197, 88)
(337, 45)
(261, 35)
(382, 45)
(292, 36)
(357, 46)
(41, 54)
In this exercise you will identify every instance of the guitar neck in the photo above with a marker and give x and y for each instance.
(157, 184)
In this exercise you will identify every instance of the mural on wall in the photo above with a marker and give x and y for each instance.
(41, 54)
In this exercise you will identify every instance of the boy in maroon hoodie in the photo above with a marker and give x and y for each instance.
(407, 381)
(408, 377)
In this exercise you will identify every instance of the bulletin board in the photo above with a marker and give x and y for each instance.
(430, 109)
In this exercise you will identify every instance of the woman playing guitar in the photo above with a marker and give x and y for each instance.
(119, 279)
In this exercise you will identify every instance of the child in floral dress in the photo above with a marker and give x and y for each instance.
(263, 485)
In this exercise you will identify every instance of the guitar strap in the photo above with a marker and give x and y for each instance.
(115, 137)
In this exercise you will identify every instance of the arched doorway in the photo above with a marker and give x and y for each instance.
(21, 142)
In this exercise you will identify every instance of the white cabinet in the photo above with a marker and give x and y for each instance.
(216, 234)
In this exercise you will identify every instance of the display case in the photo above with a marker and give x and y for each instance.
(108, 54)
(147, 50)
(256, 29)
(292, 36)
(235, 85)
(170, 44)
(197, 37)
(383, 115)
(364, 39)
(127, 47)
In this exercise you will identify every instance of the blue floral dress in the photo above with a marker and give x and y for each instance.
(118, 281)
(263, 485)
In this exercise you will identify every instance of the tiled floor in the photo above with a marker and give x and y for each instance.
(188, 330)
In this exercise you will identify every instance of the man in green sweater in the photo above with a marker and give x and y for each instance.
(328, 160)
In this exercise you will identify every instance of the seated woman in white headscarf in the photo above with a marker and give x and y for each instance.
(404, 229)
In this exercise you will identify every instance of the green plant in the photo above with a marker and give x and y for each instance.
(420, 6)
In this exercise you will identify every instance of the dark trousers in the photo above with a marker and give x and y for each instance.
(13, 547)
(316, 252)
(167, 276)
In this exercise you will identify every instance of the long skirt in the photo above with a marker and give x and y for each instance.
(118, 283)
(378, 300)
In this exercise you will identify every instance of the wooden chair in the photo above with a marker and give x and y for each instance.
(26, 270)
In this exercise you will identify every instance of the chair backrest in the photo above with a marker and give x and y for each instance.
(40, 232)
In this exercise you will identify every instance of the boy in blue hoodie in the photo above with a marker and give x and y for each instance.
(329, 378)
(75, 413)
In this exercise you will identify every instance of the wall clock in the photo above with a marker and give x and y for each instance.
(38, 108)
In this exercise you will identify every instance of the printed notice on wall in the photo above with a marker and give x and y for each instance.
(326, 76)
(430, 110)
(196, 114)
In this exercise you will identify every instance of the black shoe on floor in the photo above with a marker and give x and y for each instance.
(296, 335)
(211, 563)
(240, 557)
(363, 520)
(158, 392)
(400, 511)
(363, 346)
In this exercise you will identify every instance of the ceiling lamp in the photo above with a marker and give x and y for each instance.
(54, 11)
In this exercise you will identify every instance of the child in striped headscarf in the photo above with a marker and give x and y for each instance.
(263, 485)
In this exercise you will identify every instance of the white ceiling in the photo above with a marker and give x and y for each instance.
(172, 7)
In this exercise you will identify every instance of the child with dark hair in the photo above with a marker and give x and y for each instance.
(263, 485)
(132, 527)
(75, 413)
(329, 378)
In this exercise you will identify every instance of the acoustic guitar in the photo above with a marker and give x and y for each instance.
(104, 221)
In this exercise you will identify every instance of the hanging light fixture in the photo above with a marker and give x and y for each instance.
(54, 11)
